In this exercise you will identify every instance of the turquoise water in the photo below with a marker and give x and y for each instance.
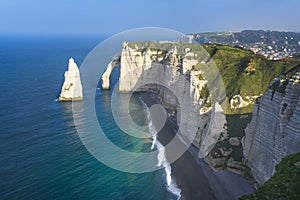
(41, 155)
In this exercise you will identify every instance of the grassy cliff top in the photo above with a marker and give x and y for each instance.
(284, 184)
(169, 46)
(243, 72)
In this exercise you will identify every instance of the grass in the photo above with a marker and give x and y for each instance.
(235, 128)
(244, 72)
(284, 184)
(234, 64)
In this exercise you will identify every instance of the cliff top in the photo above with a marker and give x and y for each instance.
(244, 73)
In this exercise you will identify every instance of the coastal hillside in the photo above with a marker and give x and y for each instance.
(246, 75)
(214, 125)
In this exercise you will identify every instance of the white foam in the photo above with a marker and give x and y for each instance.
(154, 139)
(152, 131)
(150, 126)
(161, 157)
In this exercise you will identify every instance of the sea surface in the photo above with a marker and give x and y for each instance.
(41, 154)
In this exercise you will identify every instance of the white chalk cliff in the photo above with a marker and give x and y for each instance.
(72, 88)
(199, 124)
(106, 75)
(274, 131)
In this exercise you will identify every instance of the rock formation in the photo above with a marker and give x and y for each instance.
(106, 75)
(274, 131)
(163, 69)
(72, 88)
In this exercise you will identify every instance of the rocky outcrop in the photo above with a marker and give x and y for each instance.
(72, 88)
(169, 74)
(136, 62)
(215, 127)
(274, 131)
(106, 75)
(237, 102)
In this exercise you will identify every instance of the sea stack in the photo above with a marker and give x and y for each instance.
(72, 88)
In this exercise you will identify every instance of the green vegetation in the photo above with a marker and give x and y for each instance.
(204, 92)
(284, 184)
(244, 72)
(236, 125)
(200, 77)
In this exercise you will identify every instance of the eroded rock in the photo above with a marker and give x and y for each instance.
(72, 88)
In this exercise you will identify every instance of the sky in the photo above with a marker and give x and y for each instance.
(94, 17)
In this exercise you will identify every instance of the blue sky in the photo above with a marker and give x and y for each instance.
(84, 17)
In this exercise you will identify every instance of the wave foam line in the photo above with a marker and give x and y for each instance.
(161, 157)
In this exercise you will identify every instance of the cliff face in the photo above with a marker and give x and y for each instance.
(168, 73)
(274, 131)
(176, 72)
(72, 88)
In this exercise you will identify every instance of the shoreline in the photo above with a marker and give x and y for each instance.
(193, 176)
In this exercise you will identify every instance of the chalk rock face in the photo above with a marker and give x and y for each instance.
(164, 70)
(187, 64)
(274, 131)
(215, 127)
(133, 63)
(72, 88)
(106, 75)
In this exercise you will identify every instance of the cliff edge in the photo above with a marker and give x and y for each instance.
(166, 69)
(274, 131)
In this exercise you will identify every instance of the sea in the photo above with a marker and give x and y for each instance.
(41, 154)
